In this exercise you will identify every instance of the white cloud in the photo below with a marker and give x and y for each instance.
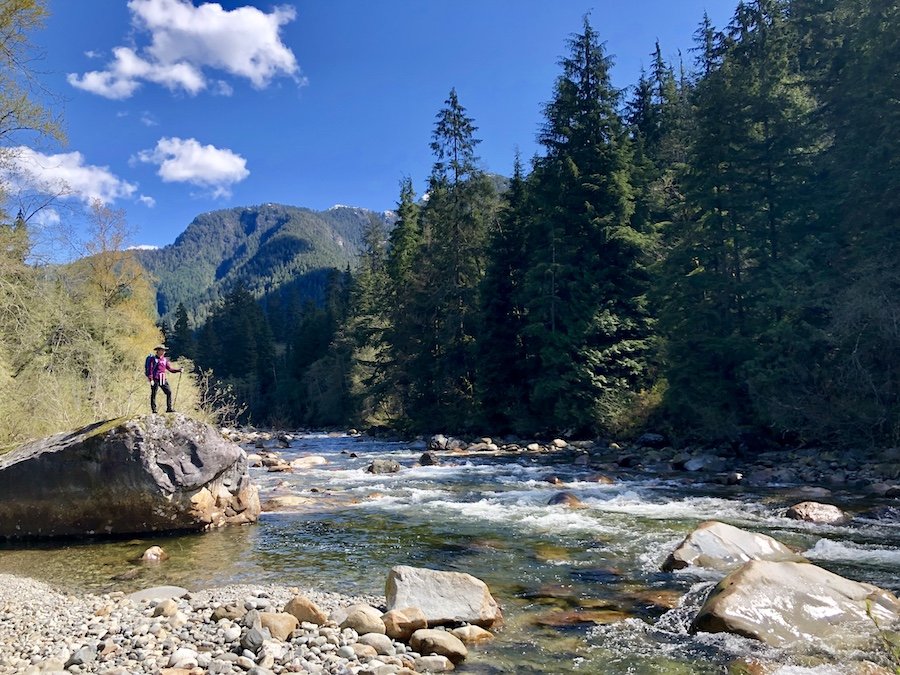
(46, 218)
(91, 54)
(142, 247)
(148, 120)
(66, 175)
(185, 40)
(147, 201)
(186, 161)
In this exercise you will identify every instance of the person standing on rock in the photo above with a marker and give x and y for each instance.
(155, 367)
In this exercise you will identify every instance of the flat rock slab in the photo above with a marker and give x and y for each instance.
(153, 473)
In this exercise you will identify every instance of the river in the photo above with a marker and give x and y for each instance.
(580, 588)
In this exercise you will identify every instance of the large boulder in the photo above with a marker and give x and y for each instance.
(723, 547)
(784, 603)
(153, 473)
(443, 597)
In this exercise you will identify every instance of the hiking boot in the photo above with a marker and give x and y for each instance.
(170, 409)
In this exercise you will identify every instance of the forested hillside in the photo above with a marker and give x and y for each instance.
(267, 248)
(713, 253)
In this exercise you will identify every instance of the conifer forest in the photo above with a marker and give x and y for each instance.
(712, 253)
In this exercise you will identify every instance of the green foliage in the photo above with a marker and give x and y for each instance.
(719, 256)
(587, 322)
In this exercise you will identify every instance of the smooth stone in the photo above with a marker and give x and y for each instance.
(155, 554)
(399, 624)
(228, 611)
(815, 512)
(308, 462)
(472, 634)
(381, 642)
(433, 641)
(279, 624)
(364, 619)
(434, 663)
(306, 610)
(364, 652)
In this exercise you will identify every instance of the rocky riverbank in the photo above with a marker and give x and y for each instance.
(233, 629)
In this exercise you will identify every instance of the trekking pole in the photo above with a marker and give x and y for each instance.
(177, 384)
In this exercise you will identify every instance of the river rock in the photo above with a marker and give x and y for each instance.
(383, 466)
(399, 624)
(279, 624)
(306, 610)
(155, 554)
(815, 512)
(434, 663)
(443, 597)
(380, 642)
(784, 603)
(440, 642)
(566, 499)
(125, 476)
(308, 462)
(286, 503)
(429, 459)
(364, 619)
(723, 547)
(472, 634)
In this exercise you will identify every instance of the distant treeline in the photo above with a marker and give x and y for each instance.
(713, 254)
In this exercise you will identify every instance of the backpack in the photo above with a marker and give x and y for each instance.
(150, 365)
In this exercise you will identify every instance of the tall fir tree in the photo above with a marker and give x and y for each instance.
(587, 317)
(461, 203)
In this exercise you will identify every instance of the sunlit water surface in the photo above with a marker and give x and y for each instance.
(580, 588)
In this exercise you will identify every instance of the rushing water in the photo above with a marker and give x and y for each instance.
(580, 588)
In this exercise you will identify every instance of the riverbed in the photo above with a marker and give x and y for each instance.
(580, 588)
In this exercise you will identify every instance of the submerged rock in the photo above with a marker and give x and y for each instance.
(723, 547)
(784, 603)
(145, 474)
(383, 466)
(443, 597)
(566, 499)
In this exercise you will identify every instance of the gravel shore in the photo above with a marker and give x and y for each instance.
(44, 630)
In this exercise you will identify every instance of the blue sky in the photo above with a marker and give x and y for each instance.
(173, 108)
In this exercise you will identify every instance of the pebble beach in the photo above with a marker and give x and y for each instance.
(43, 630)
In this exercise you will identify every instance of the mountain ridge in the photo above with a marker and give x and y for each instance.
(265, 247)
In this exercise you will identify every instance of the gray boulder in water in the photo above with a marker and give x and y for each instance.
(152, 473)
(799, 604)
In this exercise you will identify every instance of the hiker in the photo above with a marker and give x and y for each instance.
(155, 367)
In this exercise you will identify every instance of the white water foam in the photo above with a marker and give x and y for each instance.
(870, 554)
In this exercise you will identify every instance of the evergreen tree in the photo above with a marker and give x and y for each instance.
(501, 348)
(461, 203)
(587, 319)
(181, 338)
